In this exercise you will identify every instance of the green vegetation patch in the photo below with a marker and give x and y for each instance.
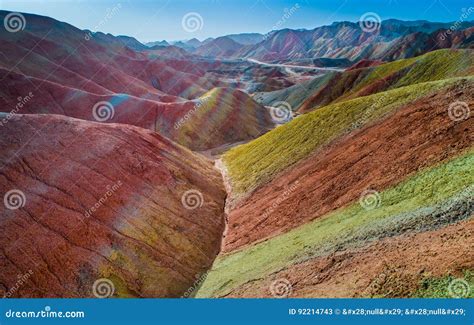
(439, 65)
(432, 66)
(448, 286)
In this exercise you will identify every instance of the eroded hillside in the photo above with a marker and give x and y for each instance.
(90, 202)
(343, 168)
(370, 196)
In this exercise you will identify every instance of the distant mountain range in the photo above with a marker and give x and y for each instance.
(392, 39)
(157, 43)
(247, 38)
(194, 43)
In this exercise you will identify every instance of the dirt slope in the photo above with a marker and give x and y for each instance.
(395, 267)
(419, 134)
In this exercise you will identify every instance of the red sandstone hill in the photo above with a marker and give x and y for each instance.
(220, 116)
(95, 62)
(103, 201)
(221, 46)
(370, 197)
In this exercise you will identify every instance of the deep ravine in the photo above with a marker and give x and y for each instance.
(219, 164)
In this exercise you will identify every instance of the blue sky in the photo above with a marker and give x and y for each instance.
(149, 20)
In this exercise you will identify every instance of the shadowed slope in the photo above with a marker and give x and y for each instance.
(104, 201)
(296, 94)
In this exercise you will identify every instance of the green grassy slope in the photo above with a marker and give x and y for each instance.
(258, 161)
(432, 66)
(429, 199)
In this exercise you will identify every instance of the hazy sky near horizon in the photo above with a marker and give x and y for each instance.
(149, 20)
